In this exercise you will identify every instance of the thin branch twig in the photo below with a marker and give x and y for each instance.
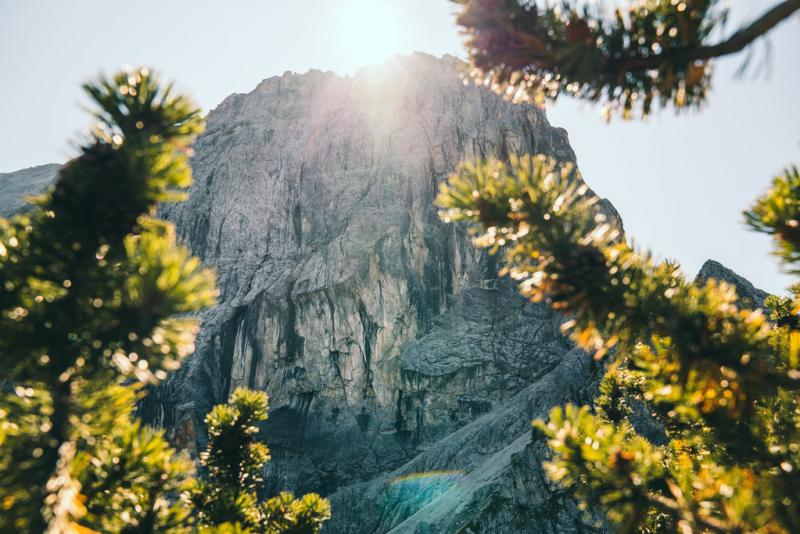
(735, 43)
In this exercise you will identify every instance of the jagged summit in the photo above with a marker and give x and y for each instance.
(389, 68)
(411, 60)
(744, 289)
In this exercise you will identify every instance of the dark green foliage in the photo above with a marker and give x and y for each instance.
(651, 53)
(131, 479)
(720, 378)
(234, 461)
(287, 515)
(96, 300)
(617, 389)
(88, 274)
(90, 285)
(778, 214)
(723, 380)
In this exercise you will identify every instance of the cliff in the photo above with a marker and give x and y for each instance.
(402, 372)
(399, 369)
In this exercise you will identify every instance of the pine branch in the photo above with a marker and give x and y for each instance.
(649, 54)
(735, 43)
(671, 507)
(790, 380)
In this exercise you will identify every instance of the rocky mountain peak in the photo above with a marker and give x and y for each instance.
(402, 372)
(386, 342)
(746, 291)
(16, 186)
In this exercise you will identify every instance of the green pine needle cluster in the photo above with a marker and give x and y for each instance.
(648, 54)
(131, 479)
(721, 378)
(778, 214)
(227, 497)
(90, 284)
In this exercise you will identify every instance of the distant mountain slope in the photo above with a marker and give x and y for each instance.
(747, 292)
(15, 186)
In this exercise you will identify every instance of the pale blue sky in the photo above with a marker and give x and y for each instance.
(680, 183)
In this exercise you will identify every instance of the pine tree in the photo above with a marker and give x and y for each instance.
(227, 497)
(96, 301)
(94, 293)
(650, 53)
(722, 379)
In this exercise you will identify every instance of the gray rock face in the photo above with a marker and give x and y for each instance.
(16, 186)
(402, 374)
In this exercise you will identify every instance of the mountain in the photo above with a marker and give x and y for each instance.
(16, 186)
(748, 294)
(399, 368)
(403, 373)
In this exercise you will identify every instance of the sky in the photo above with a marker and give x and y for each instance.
(679, 182)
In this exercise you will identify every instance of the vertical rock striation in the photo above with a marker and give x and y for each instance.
(384, 339)
(402, 373)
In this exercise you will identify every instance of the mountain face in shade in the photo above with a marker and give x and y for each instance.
(403, 373)
(16, 186)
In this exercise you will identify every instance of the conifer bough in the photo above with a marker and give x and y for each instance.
(96, 300)
(652, 53)
(722, 378)
(234, 461)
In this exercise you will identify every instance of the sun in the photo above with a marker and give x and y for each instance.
(370, 31)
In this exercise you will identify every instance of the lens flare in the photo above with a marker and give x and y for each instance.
(411, 492)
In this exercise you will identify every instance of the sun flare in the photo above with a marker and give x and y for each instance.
(370, 31)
